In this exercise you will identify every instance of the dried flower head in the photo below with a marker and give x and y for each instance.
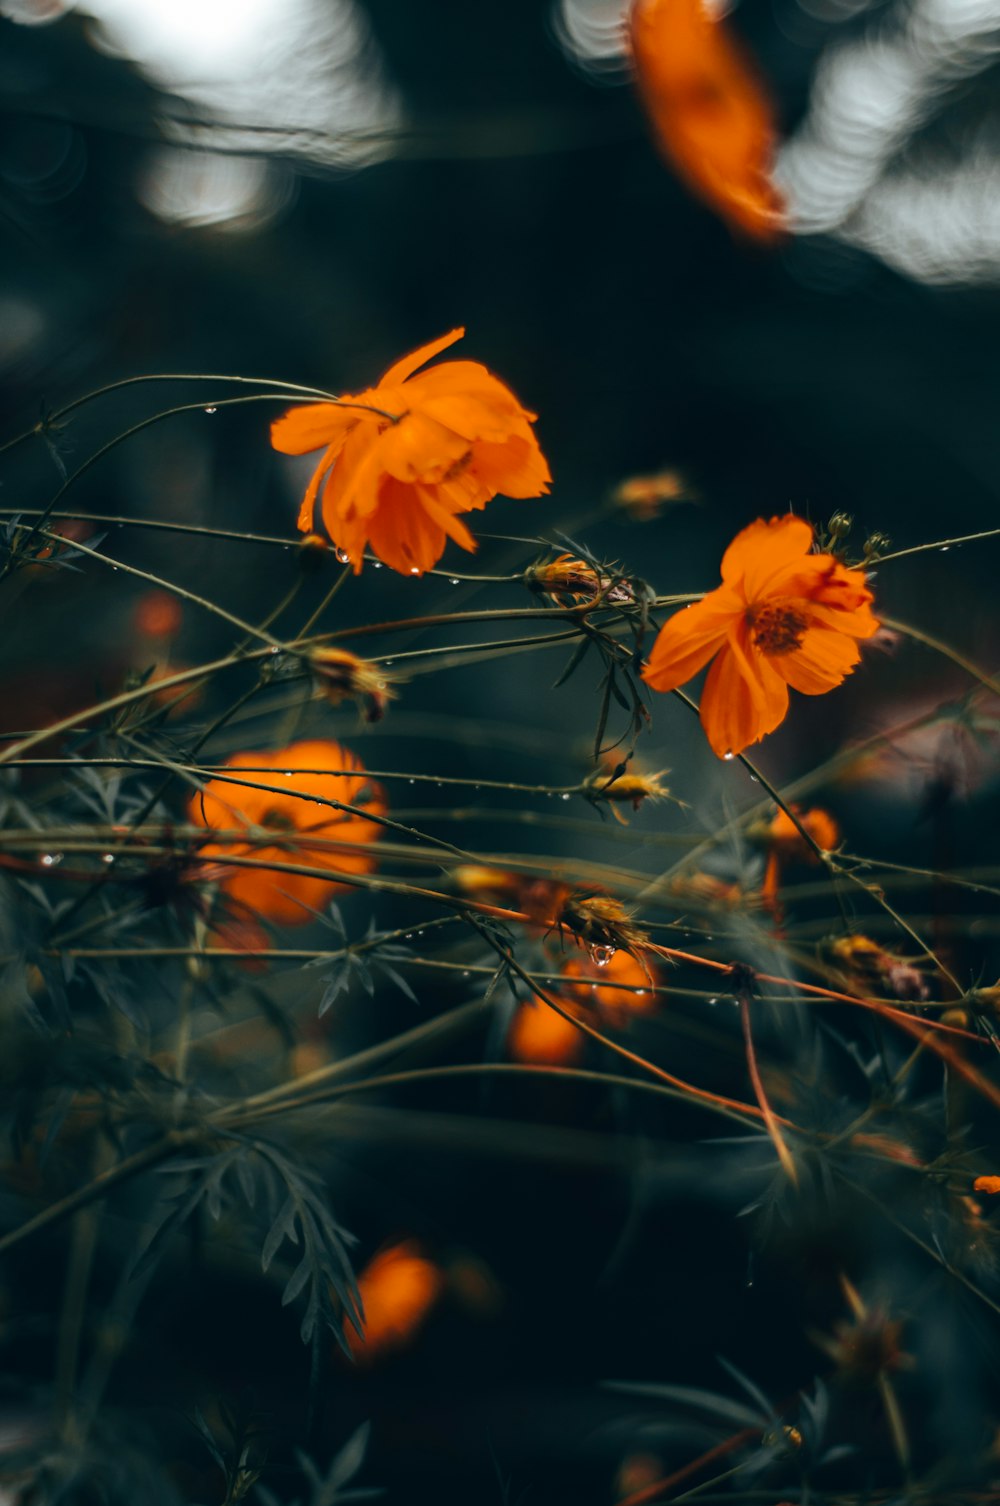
(600, 923)
(283, 815)
(629, 788)
(869, 967)
(781, 617)
(867, 1346)
(341, 676)
(402, 459)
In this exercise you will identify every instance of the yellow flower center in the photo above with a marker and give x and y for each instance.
(777, 628)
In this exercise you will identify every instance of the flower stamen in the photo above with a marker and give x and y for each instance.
(776, 628)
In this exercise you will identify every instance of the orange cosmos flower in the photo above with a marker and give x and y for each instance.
(398, 1288)
(781, 617)
(403, 459)
(304, 832)
(597, 980)
(712, 118)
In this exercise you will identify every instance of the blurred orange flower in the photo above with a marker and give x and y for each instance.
(538, 1034)
(712, 118)
(598, 978)
(786, 844)
(158, 615)
(402, 459)
(398, 1289)
(781, 617)
(303, 830)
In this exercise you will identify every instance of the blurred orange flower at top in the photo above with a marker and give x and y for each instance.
(710, 112)
(989, 1185)
(398, 1289)
(304, 832)
(781, 617)
(401, 460)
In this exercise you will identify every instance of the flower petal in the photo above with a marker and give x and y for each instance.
(764, 548)
(407, 365)
(311, 425)
(687, 642)
(402, 532)
(742, 700)
(820, 663)
(439, 514)
(419, 448)
(517, 468)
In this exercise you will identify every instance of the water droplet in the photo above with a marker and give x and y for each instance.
(602, 955)
(713, 1002)
(564, 795)
(107, 857)
(376, 564)
(454, 581)
(274, 650)
(466, 973)
(754, 779)
(50, 859)
(211, 410)
(414, 570)
(408, 936)
(729, 755)
(343, 556)
(387, 663)
(288, 773)
(411, 781)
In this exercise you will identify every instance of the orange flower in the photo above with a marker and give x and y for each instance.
(621, 968)
(304, 831)
(158, 615)
(786, 844)
(989, 1185)
(538, 1034)
(712, 118)
(398, 1289)
(781, 617)
(402, 459)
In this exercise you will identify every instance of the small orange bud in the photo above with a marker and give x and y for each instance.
(313, 550)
